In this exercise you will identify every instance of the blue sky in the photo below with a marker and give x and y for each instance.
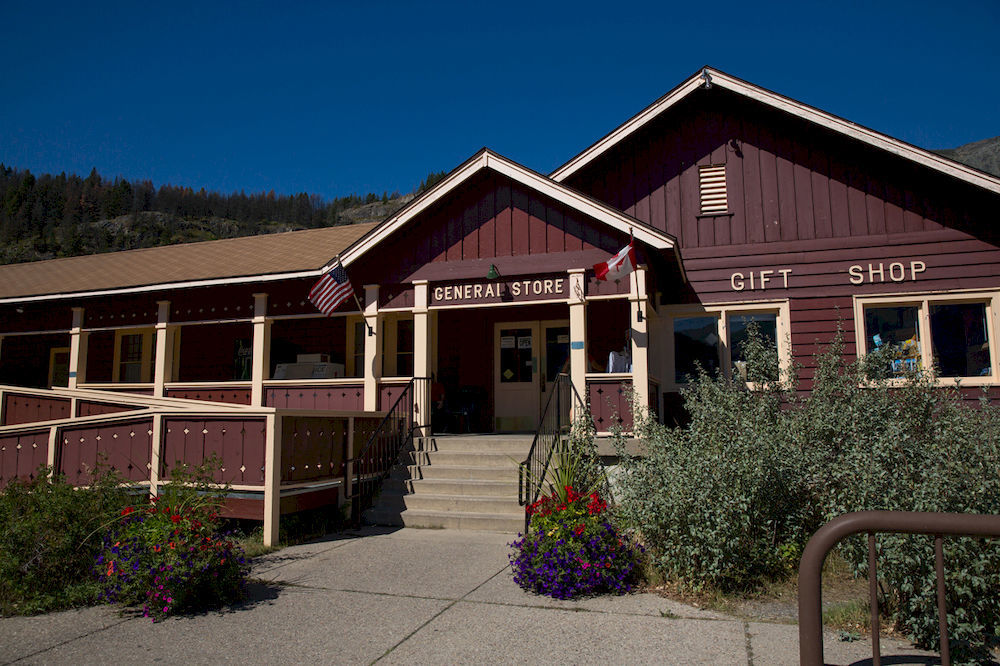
(338, 98)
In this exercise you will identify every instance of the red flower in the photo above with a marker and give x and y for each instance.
(579, 529)
(127, 510)
(175, 518)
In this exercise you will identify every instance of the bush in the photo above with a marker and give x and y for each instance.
(721, 501)
(572, 550)
(49, 536)
(169, 554)
(728, 500)
(910, 446)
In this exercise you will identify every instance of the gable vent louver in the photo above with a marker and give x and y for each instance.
(712, 181)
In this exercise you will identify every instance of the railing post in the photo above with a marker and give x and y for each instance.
(155, 455)
(577, 333)
(51, 453)
(272, 480)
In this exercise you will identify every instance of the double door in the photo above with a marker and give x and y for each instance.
(528, 355)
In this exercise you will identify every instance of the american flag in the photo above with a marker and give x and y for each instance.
(332, 289)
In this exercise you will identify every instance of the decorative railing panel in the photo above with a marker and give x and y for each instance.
(239, 442)
(312, 448)
(95, 408)
(233, 395)
(122, 446)
(22, 454)
(331, 397)
(609, 403)
(27, 408)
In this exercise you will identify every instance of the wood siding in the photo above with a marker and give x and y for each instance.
(787, 180)
(490, 219)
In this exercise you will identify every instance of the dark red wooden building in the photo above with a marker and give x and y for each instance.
(743, 205)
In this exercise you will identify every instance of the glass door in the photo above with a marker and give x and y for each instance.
(516, 376)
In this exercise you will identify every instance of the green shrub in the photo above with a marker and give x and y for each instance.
(49, 536)
(908, 445)
(719, 500)
(728, 500)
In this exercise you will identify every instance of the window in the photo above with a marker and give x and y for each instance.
(714, 338)
(404, 348)
(357, 356)
(712, 186)
(133, 362)
(951, 333)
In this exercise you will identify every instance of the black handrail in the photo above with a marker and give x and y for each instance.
(552, 427)
(383, 447)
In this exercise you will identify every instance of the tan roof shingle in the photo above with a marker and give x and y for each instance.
(249, 256)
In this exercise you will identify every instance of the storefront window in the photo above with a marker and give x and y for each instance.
(766, 324)
(960, 340)
(959, 335)
(359, 349)
(696, 343)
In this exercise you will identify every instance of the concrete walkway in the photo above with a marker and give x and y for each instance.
(414, 596)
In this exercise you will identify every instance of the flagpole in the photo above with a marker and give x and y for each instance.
(356, 300)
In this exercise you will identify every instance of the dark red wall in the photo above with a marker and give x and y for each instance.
(24, 359)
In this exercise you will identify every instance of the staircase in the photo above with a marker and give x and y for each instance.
(455, 481)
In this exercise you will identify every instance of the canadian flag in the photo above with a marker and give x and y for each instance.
(617, 266)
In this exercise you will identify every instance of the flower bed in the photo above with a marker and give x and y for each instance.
(170, 556)
(572, 549)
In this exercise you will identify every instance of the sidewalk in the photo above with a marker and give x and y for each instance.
(415, 596)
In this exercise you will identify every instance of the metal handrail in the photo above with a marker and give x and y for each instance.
(368, 477)
(531, 473)
(872, 522)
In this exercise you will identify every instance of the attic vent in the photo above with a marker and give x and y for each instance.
(712, 180)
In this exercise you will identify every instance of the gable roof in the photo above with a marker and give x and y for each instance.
(487, 159)
(229, 261)
(714, 77)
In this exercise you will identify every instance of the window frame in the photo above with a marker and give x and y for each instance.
(722, 312)
(923, 301)
(146, 355)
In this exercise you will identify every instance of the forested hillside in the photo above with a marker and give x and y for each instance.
(46, 216)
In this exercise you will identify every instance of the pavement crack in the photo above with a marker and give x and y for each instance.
(437, 615)
(749, 644)
(70, 640)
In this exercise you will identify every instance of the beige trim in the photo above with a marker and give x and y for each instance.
(923, 301)
(162, 370)
(260, 364)
(722, 311)
(373, 347)
(422, 356)
(827, 120)
(272, 480)
(77, 351)
(486, 159)
(577, 333)
(639, 334)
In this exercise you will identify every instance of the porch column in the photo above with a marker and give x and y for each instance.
(163, 369)
(261, 362)
(577, 338)
(421, 358)
(639, 325)
(77, 350)
(373, 347)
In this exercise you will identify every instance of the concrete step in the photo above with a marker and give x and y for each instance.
(462, 472)
(461, 504)
(463, 487)
(450, 520)
(500, 487)
(516, 447)
(463, 459)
